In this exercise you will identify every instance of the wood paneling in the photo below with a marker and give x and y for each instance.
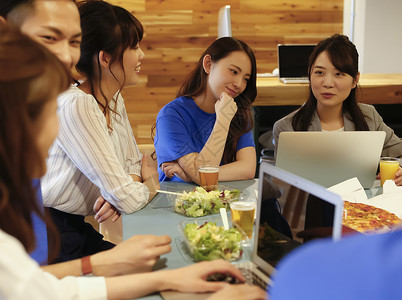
(178, 31)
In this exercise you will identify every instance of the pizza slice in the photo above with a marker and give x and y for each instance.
(364, 218)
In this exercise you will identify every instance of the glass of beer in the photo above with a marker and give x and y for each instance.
(243, 215)
(209, 177)
(388, 168)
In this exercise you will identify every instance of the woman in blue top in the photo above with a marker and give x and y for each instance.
(210, 122)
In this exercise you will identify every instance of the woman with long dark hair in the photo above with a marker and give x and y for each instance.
(332, 103)
(210, 122)
(95, 162)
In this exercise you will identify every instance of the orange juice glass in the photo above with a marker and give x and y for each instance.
(388, 168)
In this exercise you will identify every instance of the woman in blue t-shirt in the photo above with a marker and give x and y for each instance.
(210, 122)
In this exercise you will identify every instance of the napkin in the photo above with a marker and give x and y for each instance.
(390, 187)
(350, 190)
(390, 199)
(389, 202)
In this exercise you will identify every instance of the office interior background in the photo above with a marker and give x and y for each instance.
(178, 31)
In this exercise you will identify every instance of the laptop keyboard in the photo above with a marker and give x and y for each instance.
(253, 278)
(296, 78)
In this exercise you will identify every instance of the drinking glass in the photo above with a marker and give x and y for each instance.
(243, 216)
(388, 168)
(209, 177)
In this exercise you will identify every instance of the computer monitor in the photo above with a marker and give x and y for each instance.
(224, 22)
(293, 62)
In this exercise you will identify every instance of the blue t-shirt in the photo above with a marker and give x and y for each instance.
(183, 128)
(358, 267)
(40, 252)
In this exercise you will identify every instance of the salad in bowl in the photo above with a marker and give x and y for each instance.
(209, 241)
(199, 202)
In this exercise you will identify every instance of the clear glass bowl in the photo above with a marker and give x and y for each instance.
(209, 242)
(192, 203)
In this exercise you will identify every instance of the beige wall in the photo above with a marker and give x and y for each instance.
(177, 32)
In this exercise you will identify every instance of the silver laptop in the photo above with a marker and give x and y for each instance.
(272, 245)
(329, 158)
(293, 193)
(293, 62)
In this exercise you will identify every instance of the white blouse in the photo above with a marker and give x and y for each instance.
(22, 278)
(340, 129)
(88, 159)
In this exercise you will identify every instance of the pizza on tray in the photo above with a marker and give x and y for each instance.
(364, 218)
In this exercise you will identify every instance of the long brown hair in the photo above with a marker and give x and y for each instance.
(109, 28)
(30, 76)
(344, 56)
(196, 83)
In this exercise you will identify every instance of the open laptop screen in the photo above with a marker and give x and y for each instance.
(329, 158)
(310, 210)
(293, 60)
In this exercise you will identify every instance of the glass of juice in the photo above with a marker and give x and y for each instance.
(209, 177)
(388, 168)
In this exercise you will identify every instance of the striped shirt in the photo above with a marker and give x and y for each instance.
(88, 159)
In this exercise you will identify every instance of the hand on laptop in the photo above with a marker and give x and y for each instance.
(192, 279)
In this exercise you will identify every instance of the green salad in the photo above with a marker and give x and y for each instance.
(199, 202)
(209, 241)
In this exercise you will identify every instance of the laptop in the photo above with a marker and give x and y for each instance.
(293, 194)
(293, 62)
(272, 245)
(329, 158)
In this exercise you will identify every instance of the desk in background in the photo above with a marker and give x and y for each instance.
(374, 89)
(160, 221)
(276, 99)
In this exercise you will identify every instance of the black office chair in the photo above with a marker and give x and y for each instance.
(268, 151)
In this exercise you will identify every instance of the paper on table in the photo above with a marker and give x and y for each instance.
(390, 187)
(350, 190)
(261, 75)
(389, 202)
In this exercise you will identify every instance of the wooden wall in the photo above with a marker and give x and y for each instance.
(178, 31)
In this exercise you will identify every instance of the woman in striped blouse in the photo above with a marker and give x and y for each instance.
(95, 153)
